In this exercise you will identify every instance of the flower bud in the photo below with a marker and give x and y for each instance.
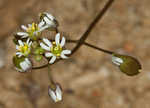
(49, 20)
(127, 64)
(55, 92)
(22, 64)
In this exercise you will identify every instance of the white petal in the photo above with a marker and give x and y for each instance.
(48, 54)
(30, 43)
(62, 42)
(117, 60)
(47, 42)
(52, 60)
(20, 43)
(19, 53)
(49, 22)
(28, 40)
(66, 51)
(50, 16)
(22, 67)
(58, 93)
(25, 66)
(17, 47)
(63, 56)
(22, 34)
(24, 27)
(29, 25)
(27, 61)
(57, 38)
(52, 94)
(43, 28)
(44, 47)
(41, 24)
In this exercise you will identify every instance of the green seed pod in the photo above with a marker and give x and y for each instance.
(127, 64)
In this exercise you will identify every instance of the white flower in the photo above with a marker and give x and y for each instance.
(116, 60)
(24, 48)
(55, 48)
(55, 94)
(32, 31)
(49, 20)
(22, 64)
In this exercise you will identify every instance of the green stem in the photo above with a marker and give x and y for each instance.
(52, 83)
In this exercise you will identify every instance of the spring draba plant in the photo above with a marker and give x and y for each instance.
(30, 44)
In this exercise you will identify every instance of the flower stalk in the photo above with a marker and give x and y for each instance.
(54, 89)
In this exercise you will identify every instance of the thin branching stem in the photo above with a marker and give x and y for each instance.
(92, 46)
(49, 74)
(81, 41)
(89, 45)
(91, 26)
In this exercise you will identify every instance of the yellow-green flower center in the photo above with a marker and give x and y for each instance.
(24, 49)
(56, 49)
(32, 31)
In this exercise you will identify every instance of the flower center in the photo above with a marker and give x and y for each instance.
(56, 49)
(33, 31)
(24, 49)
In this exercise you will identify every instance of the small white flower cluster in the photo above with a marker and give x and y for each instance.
(31, 34)
(29, 44)
(23, 51)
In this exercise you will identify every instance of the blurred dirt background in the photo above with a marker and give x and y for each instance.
(89, 79)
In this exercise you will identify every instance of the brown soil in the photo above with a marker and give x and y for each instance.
(89, 79)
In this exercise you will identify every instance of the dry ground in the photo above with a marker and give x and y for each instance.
(89, 78)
